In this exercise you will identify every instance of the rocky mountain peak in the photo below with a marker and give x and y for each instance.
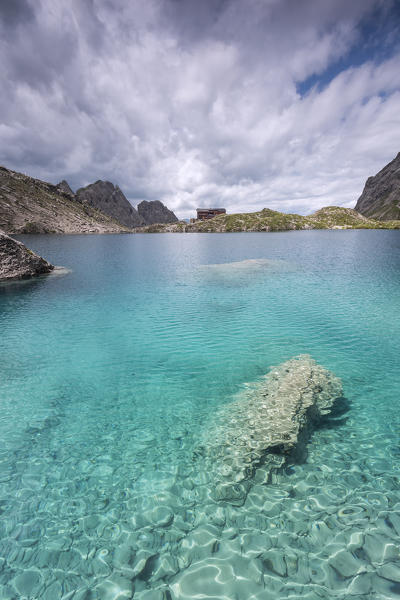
(64, 188)
(155, 212)
(381, 195)
(108, 198)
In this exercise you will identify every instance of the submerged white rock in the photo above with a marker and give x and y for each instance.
(250, 266)
(247, 264)
(266, 422)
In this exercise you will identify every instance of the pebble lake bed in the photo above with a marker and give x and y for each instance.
(122, 380)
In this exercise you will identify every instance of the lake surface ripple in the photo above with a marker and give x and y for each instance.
(112, 374)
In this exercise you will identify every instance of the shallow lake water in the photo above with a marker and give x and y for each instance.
(111, 376)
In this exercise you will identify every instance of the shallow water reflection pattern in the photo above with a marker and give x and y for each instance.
(110, 375)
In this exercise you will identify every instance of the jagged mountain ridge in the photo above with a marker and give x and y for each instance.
(109, 198)
(155, 212)
(105, 196)
(381, 195)
(63, 187)
(29, 205)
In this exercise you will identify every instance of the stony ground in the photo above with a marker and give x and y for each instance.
(28, 205)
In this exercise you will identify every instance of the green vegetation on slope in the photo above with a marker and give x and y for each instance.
(330, 217)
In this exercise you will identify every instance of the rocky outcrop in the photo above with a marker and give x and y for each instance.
(29, 205)
(18, 262)
(64, 188)
(381, 195)
(108, 198)
(266, 422)
(155, 212)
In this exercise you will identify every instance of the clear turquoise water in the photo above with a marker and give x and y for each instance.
(111, 373)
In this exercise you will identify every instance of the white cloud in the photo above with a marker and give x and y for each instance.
(199, 114)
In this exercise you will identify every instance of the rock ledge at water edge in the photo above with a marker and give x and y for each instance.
(18, 262)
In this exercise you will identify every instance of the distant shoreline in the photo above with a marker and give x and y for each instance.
(333, 218)
(267, 221)
(34, 235)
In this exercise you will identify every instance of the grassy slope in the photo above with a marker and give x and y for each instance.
(331, 217)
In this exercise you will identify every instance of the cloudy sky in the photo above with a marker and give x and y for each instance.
(286, 104)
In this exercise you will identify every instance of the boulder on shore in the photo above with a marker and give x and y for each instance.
(18, 262)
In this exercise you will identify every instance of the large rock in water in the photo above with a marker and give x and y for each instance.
(108, 198)
(155, 212)
(18, 262)
(265, 423)
(381, 195)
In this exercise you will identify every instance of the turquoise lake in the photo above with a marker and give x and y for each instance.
(112, 374)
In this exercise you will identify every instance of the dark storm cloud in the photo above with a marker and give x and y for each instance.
(197, 102)
(15, 12)
(193, 20)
